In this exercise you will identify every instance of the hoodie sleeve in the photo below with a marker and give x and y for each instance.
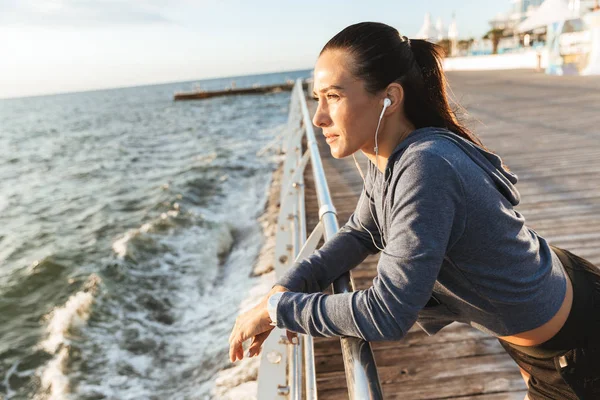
(427, 216)
(344, 251)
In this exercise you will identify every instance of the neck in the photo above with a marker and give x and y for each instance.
(387, 141)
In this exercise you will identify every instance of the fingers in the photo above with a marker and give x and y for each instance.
(252, 324)
(236, 339)
(240, 352)
(258, 340)
(257, 343)
(236, 351)
(233, 343)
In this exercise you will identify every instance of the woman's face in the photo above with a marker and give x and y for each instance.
(346, 112)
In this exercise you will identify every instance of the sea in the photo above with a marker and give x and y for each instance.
(128, 232)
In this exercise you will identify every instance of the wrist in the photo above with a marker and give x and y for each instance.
(272, 303)
(277, 289)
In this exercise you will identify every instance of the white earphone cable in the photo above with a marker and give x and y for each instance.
(370, 209)
(385, 105)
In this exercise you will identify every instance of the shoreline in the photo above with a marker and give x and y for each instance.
(239, 381)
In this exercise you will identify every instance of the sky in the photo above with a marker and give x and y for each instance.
(58, 46)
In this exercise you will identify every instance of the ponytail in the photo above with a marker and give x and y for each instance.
(425, 86)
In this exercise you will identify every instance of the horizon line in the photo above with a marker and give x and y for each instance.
(149, 84)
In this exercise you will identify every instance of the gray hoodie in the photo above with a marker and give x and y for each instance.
(455, 250)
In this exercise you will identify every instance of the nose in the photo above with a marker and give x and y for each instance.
(321, 118)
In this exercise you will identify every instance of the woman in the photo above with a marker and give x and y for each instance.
(439, 208)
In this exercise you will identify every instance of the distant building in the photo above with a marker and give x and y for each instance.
(441, 32)
(437, 32)
(427, 31)
(519, 11)
(453, 37)
(522, 6)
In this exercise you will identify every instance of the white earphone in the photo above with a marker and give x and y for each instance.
(386, 103)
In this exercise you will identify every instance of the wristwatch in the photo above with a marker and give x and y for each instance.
(272, 307)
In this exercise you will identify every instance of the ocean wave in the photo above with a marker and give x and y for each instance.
(170, 234)
(175, 305)
(63, 323)
(169, 338)
(136, 240)
(34, 277)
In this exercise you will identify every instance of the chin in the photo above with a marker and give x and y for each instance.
(337, 154)
(340, 149)
(341, 153)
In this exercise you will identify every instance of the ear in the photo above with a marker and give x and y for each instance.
(394, 92)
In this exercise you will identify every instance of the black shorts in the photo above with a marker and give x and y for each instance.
(568, 365)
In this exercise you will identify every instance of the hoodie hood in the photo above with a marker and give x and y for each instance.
(489, 162)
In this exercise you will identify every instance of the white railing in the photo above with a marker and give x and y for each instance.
(285, 370)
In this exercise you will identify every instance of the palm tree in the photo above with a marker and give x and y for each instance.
(465, 45)
(494, 35)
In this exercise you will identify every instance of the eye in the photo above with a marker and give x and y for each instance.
(332, 96)
(315, 98)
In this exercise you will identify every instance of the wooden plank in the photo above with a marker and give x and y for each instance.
(409, 355)
(520, 395)
(464, 377)
(502, 386)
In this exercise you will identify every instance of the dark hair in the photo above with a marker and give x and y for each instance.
(382, 56)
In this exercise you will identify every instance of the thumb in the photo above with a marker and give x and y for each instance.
(292, 337)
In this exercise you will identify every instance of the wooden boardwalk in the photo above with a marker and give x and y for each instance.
(547, 130)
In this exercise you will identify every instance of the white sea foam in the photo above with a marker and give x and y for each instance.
(119, 246)
(55, 383)
(183, 358)
(195, 345)
(72, 315)
(203, 272)
(62, 321)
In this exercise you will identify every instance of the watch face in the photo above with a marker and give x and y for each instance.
(273, 299)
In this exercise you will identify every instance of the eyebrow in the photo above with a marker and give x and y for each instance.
(328, 88)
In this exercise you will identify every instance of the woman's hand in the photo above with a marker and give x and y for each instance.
(255, 324)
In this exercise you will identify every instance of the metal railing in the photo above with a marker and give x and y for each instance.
(283, 370)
